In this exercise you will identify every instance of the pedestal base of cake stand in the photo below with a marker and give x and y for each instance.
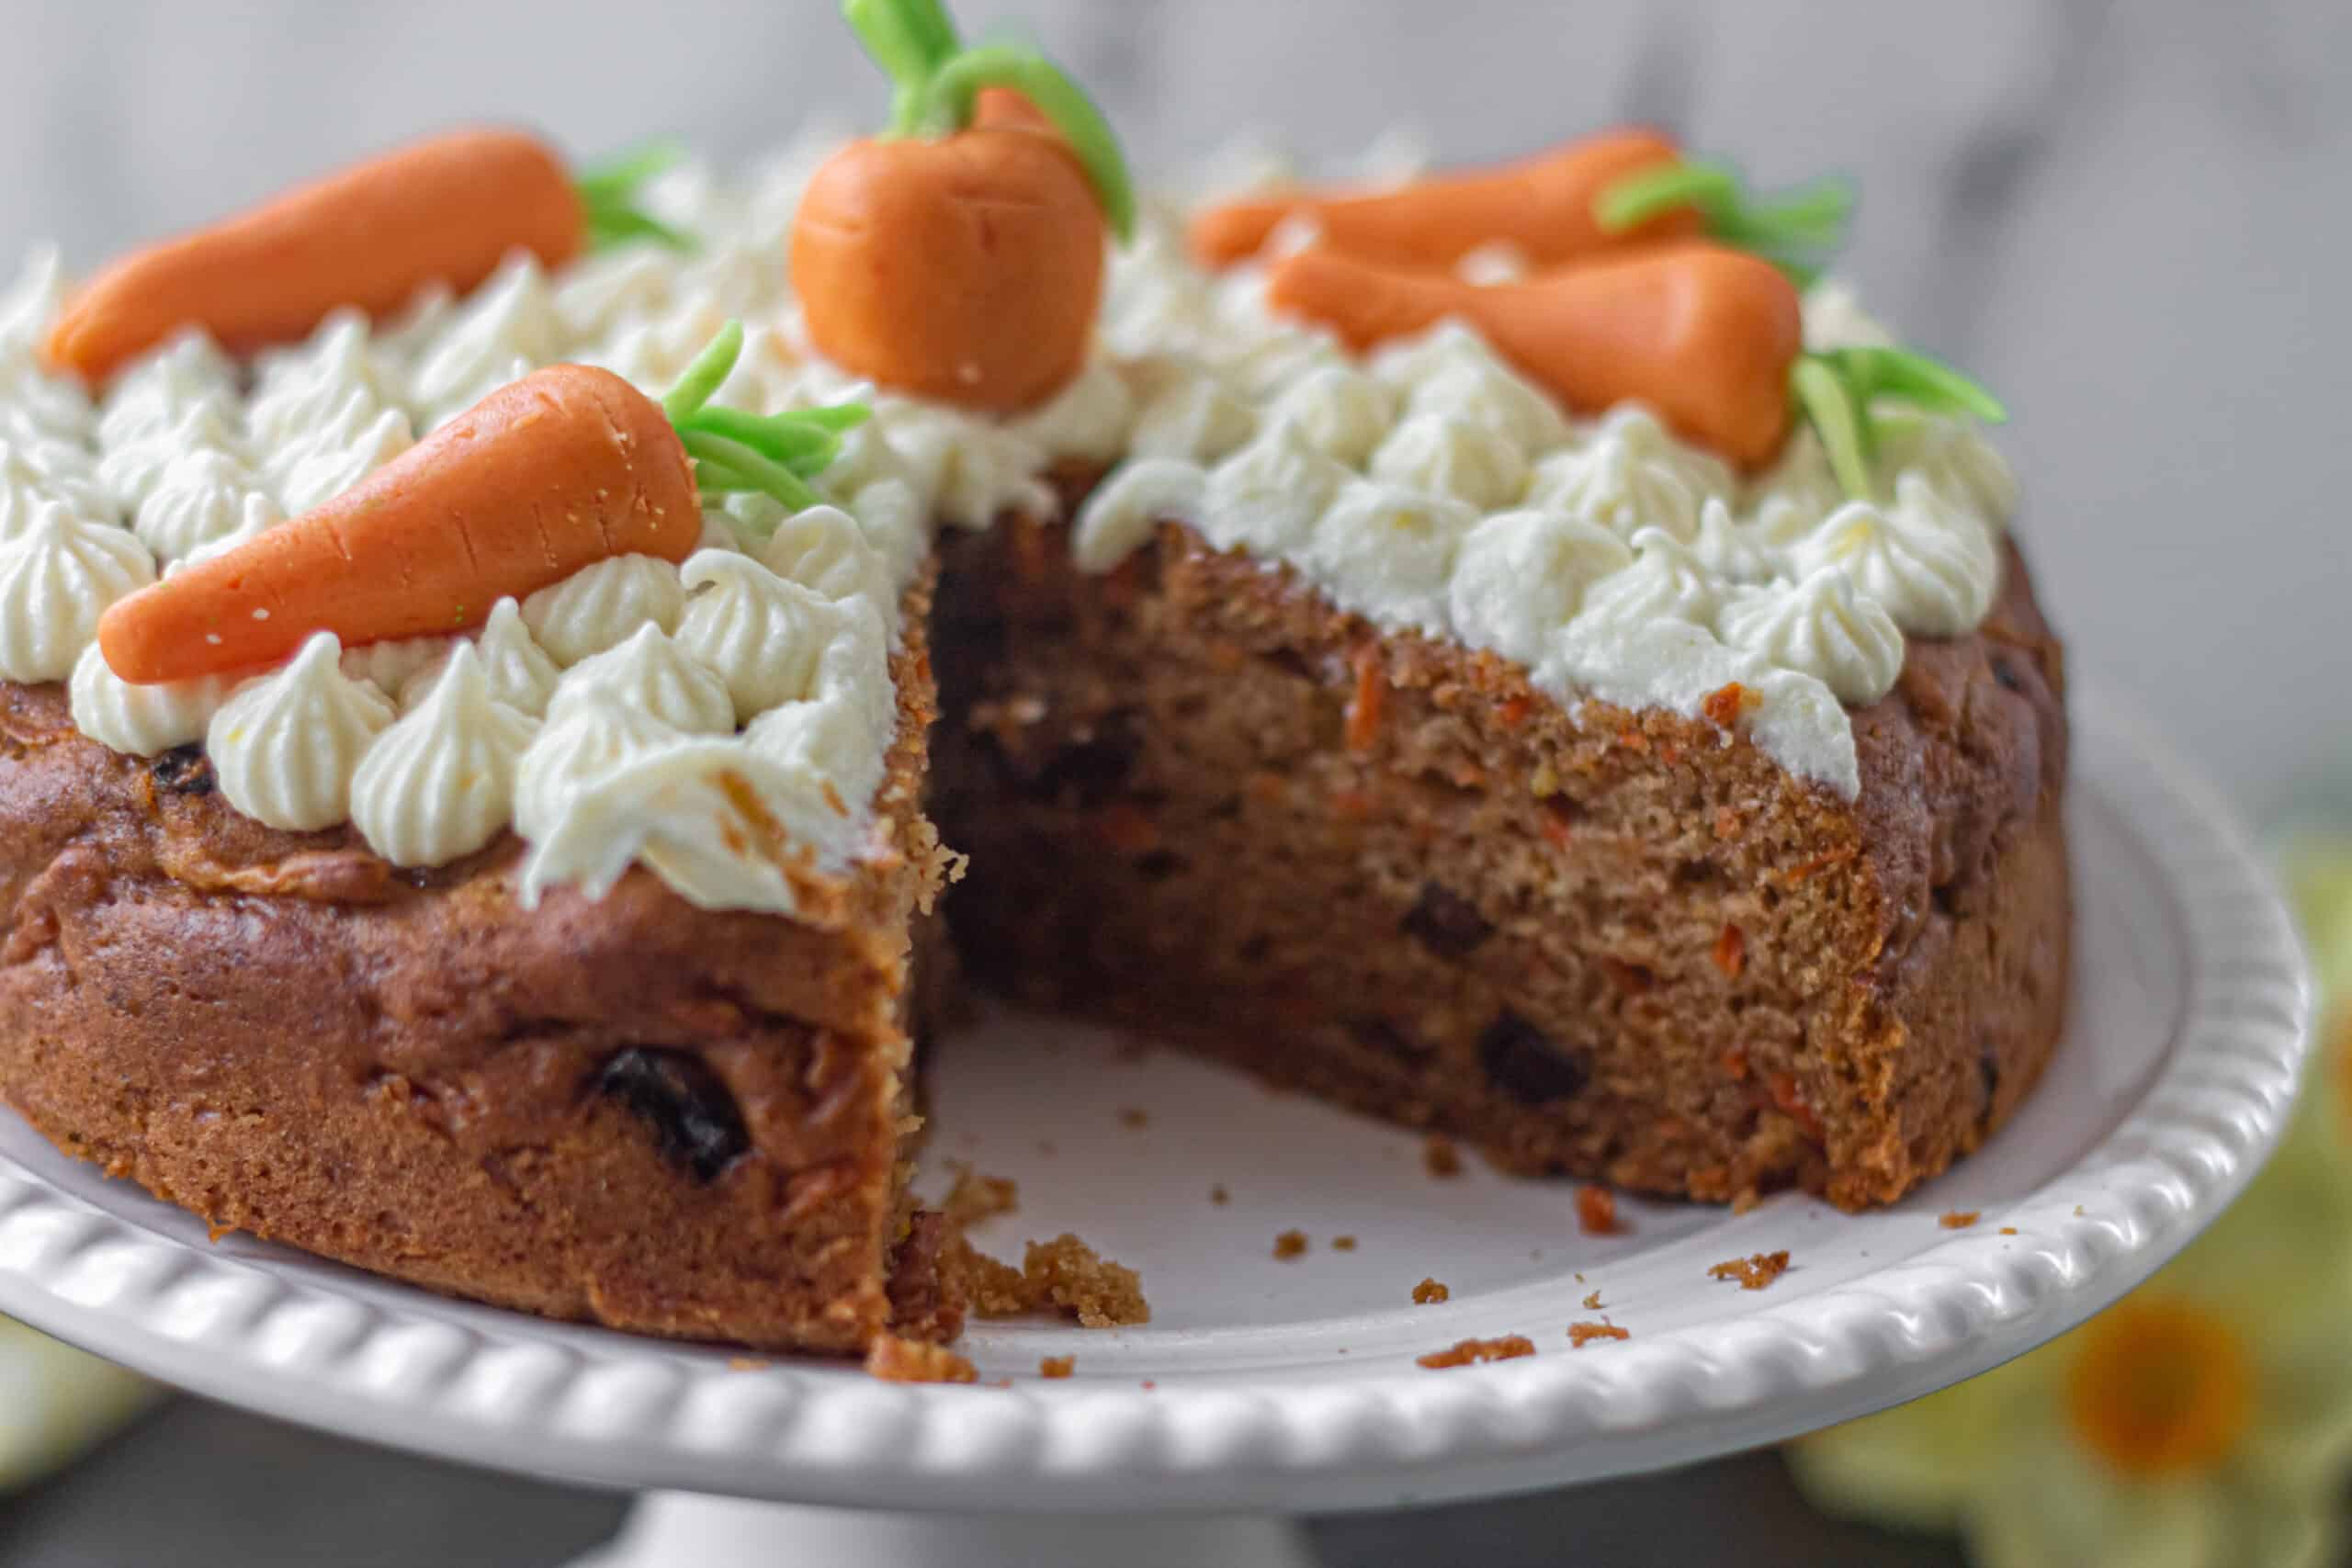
(681, 1530)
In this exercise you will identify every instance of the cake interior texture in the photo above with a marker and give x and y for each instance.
(1384, 869)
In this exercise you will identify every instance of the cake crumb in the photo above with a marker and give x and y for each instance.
(1219, 1196)
(1597, 1211)
(1440, 1157)
(1592, 1301)
(1134, 1116)
(1583, 1334)
(992, 1289)
(1753, 1272)
(1343, 1243)
(2009, 1230)
(975, 1198)
(1066, 1273)
(1056, 1366)
(1428, 1291)
(894, 1359)
(1290, 1244)
(1469, 1352)
(1959, 1218)
(1744, 1199)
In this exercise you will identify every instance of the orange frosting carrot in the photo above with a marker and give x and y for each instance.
(567, 467)
(960, 257)
(562, 468)
(965, 270)
(1706, 336)
(1546, 206)
(447, 211)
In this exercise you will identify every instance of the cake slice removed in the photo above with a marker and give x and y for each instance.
(1390, 871)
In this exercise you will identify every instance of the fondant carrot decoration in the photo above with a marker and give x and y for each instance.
(1600, 193)
(960, 256)
(447, 211)
(1712, 339)
(562, 468)
(1701, 334)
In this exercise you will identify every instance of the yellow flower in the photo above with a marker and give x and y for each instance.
(55, 1402)
(2203, 1422)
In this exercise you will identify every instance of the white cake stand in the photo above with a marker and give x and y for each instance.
(1264, 1388)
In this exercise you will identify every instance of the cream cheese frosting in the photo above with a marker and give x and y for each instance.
(286, 745)
(439, 784)
(725, 722)
(58, 574)
(140, 721)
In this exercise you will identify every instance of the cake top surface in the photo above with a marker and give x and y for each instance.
(644, 710)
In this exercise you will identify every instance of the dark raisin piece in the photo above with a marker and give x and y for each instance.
(1525, 1065)
(184, 770)
(1446, 923)
(1095, 768)
(1988, 1069)
(693, 1119)
(1160, 865)
(1379, 1034)
(2007, 674)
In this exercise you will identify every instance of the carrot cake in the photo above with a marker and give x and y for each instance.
(1491, 650)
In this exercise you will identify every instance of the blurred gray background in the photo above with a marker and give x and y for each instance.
(2132, 221)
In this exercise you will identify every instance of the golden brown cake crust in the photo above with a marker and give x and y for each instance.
(630, 1111)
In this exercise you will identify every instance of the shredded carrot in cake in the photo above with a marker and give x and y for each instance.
(1364, 706)
(1724, 704)
(1583, 1334)
(1469, 1352)
(1597, 1211)
(1753, 1272)
(1820, 862)
(1731, 951)
(1790, 1101)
